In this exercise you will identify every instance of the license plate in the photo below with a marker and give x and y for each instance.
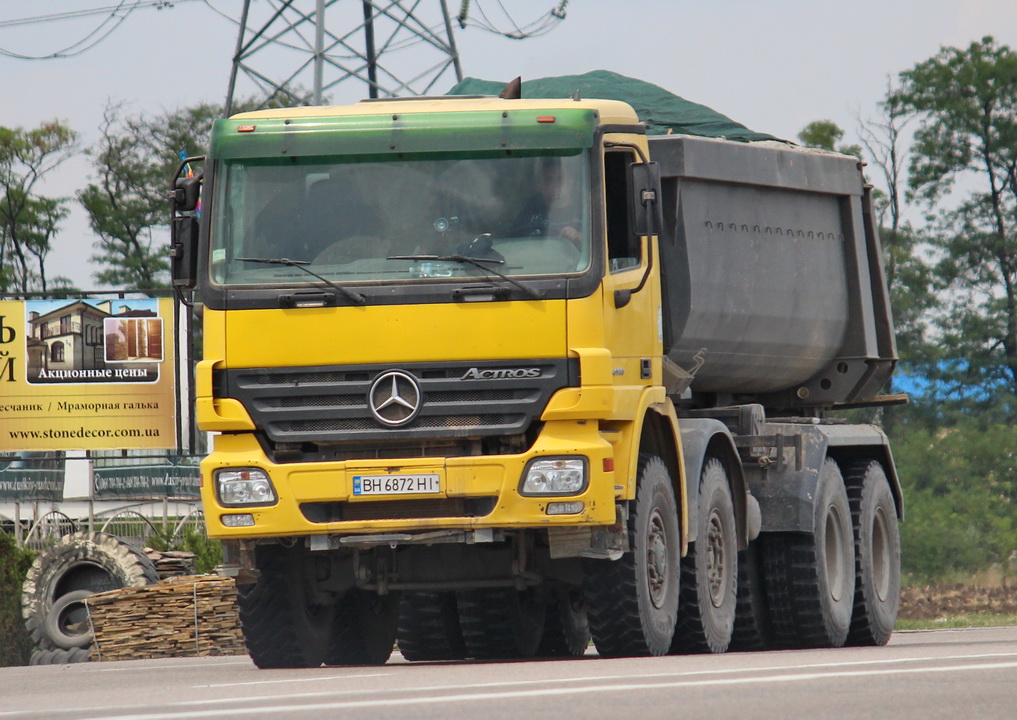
(396, 484)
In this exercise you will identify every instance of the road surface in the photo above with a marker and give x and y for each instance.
(920, 675)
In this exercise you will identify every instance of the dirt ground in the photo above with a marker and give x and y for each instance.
(936, 601)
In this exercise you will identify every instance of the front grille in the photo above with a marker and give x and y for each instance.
(457, 400)
(325, 512)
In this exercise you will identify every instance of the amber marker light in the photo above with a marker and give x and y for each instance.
(245, 128)
(546, 118)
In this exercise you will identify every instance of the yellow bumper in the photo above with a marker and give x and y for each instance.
(493, 480)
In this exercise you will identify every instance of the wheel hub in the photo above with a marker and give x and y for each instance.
(716, 560)
(657, 574)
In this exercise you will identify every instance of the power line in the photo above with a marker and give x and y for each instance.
(535, 28)
(115, 16)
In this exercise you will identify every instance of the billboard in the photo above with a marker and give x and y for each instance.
(86, 374)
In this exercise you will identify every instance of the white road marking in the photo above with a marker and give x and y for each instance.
(768, 677)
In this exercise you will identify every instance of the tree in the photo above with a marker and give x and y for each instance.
(908, 275)
(825, 134)
(128, 205)
(28, 220)
(966, 102)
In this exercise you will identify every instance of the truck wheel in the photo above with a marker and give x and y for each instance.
(752, 617)
(632, 602)
(67, 624)
(429, 627)
(364, 629)
(810, 577)
(91, 561)
(283, 627)
(566, 628)
(877, 555)
(709, 576)
(501, 623)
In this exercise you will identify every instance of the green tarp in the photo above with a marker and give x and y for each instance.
(659, 109)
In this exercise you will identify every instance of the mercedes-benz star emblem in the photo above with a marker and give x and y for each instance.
(394, 398)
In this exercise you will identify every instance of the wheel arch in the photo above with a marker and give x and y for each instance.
(658, 435)
(849, 454)
(703, 439)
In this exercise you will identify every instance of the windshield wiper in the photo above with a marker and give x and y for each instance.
(481, 263)
(299, 265)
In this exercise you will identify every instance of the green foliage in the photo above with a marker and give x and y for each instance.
(29, 220)
(207, 552)
(825, 134)
(966, 103)
(15, 645)
(960, 487)
(128, 204)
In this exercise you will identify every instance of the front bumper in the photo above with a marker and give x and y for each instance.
(477, 492)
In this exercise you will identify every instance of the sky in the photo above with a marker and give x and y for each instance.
(774, 66)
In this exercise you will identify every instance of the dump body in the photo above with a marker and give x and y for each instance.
(771, 277)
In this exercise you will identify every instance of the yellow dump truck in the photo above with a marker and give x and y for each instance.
(489, 377)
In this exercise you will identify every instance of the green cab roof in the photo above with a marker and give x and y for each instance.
(390, 128)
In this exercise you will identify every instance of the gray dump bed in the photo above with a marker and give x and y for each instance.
(772, 272)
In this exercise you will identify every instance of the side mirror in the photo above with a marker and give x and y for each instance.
(184, 251)
(186, 193)
(184, 224)
(645, 212)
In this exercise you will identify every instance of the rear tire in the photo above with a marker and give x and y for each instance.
(632, 602)
(709, 575)
(283, 627)
(501, 623)
(877, 555)
(752, 615)
(429, 627)
(811, 576)
(364, 629)
(566, 627)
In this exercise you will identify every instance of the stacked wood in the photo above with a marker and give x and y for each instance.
(171, 563)
(188, 616)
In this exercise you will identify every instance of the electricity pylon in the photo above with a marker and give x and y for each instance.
(392, 47)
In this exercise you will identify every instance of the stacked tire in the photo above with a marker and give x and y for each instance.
(59, 581)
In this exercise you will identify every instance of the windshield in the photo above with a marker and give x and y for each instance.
(400, 220)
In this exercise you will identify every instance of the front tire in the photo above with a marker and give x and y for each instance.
(284, 627)
(632, 602)
(709, 576)
(877, 555)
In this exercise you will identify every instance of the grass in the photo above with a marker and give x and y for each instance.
(966, 620)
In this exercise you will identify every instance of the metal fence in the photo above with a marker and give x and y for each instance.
(138, 523)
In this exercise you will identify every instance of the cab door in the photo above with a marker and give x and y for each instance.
(632, 312)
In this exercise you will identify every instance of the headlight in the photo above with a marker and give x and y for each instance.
(554, 476)
(249, 486)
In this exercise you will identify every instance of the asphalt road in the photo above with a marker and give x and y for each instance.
(940, 674)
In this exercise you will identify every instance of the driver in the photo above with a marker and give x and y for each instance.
(552, 209)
